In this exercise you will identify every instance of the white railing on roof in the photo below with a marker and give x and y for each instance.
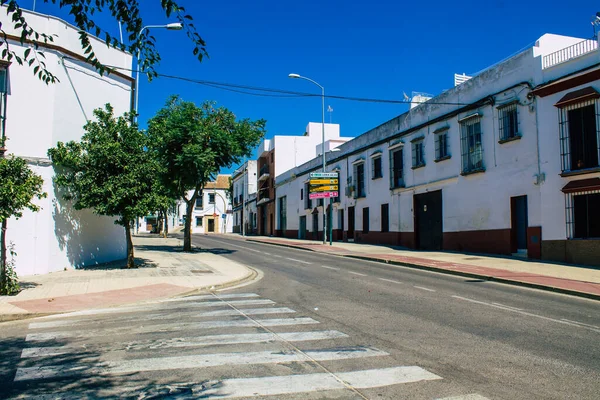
(568, 53)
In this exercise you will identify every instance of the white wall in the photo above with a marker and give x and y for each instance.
(39, 115)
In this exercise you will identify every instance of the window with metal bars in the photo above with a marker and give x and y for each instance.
(376, 167)
(471, 145)
(579, 136)
(583, 214)
(441, 146)
(359, 180)
(418, 154)
(199, 200)
(307, 200)
(3, 92)
(508, 118)
(396, 168)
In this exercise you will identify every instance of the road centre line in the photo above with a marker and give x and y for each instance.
(389, 280)
(527, 313)
(424, 288)
(328, 267)
(581, 323)
(504, 305)
(300, 261)
(356, 273)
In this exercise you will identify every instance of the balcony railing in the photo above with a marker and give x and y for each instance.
(569, 53)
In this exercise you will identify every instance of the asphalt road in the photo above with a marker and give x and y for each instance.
(315, 327)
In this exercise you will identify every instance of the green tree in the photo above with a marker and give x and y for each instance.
(108, 171)
(193, 143)
(85, 14)
(19, 186)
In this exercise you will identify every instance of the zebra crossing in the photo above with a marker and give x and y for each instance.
(207, 346)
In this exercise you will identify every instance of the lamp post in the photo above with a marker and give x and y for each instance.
(296, 76)
(175, 26)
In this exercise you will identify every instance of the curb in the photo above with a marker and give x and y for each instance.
(490, 278)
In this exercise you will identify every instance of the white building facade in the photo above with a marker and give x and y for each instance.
(244, 199)
(37, 116)
(476, 168)
(212, 211)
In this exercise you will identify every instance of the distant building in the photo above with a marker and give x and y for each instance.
(212, 211)
(36, 117)
(244, 198)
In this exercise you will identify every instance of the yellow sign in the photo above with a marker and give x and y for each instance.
(324, 188)
(323, 181)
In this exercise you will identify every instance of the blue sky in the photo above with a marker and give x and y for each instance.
(375, 49)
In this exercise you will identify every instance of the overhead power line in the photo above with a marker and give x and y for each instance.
(281, 93)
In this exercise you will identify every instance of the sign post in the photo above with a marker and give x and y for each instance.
(325, 185)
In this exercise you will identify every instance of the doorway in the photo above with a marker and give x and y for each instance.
(351, 223)
(428, 220)
(519, 223)
(211, 225)
(302, 230)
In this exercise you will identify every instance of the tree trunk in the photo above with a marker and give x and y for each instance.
(3, 256)
(187, 231)
(166, 228)
(130, 258)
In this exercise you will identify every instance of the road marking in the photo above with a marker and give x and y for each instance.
(300, 261)
(356, 273)
(333, 268)
(212, 340)
(280, 385)
(581, 323)
(276, 255)
(465, 397)
(389, 280)
(210, 296)
(245, 248)
(504, 305)
(169, 327)
(267, 254)
(195, 361)
(216, 303)
(161, 317)
(527, 313)
(424, 288)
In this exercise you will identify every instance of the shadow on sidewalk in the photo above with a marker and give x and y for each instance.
(179, 249)
(120, 264)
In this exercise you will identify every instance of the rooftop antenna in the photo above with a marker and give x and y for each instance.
(330, 111)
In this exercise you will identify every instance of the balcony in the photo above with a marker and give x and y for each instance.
(569, 53)
(263, 173)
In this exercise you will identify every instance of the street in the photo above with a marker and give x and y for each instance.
(316, 327)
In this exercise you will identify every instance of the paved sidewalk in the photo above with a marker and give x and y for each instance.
(571, 279)
(163, 271)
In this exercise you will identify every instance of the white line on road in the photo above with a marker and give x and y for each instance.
(526, 313)
(389, 280)
(212, 297)
(195, 361)
(170, 327)
(333, 268)
(300, 261)
(280, 385)
(356, 273)
(198, 341)
(504, 305)
(581, 323)
(424, 288)
(243, 247)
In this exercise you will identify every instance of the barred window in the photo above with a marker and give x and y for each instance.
(3, 92)
(211, 198)
(579, 135)
(376, 167)
(583, 214)
(359, 180)
(441, 146)
(307, 200)
(199, 200)
(471, 145)
(508, 117)
(418, 156)
(396, 168)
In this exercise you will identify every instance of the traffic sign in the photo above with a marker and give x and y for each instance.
(323, 181)
(323, 175)
(323, 188)
(322, 195)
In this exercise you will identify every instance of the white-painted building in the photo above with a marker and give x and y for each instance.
(476, 168)
(244, 199)
(37, 117)
(213, 210)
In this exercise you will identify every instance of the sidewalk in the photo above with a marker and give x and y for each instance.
(564, 278)
(164, 271)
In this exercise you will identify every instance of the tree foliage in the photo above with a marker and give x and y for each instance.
(193, 143)
(19, 186)
(85, 13)
(108, 171)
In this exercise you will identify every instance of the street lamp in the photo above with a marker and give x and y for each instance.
(296, 76)
(174, 26)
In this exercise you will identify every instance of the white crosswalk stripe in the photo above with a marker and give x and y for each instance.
(83, 343)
